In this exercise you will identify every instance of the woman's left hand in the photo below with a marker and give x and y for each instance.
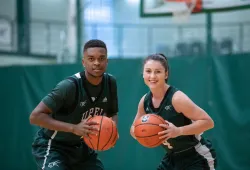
(171, 131)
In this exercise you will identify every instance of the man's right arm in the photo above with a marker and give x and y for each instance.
(62, 95)
(40, 117)
(50, 104)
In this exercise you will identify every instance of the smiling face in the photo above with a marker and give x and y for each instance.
(95, 61)
(154, 74)
(155, 71)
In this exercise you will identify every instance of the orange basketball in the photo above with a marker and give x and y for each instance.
(107, 135)
(147, 128)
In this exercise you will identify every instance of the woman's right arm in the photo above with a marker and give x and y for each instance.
(140, 113)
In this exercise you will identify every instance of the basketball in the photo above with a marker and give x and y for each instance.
(147, 128)
(107, 135)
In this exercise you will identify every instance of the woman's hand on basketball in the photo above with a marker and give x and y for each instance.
(171, 131)
(85, 127)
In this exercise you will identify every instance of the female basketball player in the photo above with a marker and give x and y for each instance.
(186, 148)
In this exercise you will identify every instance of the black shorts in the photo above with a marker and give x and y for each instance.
(51, 155)
(200, 157)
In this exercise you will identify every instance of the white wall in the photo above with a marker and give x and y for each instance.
(54, 13)
(48, 21)
(7, 15)
(127, 12)
(7, 60)
(136, 39)
(55, 10)
(8, 8)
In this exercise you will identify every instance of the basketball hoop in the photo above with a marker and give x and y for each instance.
(181, 15)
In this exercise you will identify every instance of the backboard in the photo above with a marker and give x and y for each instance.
(150, 8)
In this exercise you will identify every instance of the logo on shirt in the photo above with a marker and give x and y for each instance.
(94, 111)
(145, 118)
(55, 163)
(167, 144)
(83, 103)
(168, 107)
(104, 100)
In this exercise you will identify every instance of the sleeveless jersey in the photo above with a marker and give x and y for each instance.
(85, 106)
(167, 112)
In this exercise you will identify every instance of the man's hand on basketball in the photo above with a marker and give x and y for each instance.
(85, 127)
(171, 131)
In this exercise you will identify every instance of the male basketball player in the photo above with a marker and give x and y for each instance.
(63, 112)
(186, 148)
